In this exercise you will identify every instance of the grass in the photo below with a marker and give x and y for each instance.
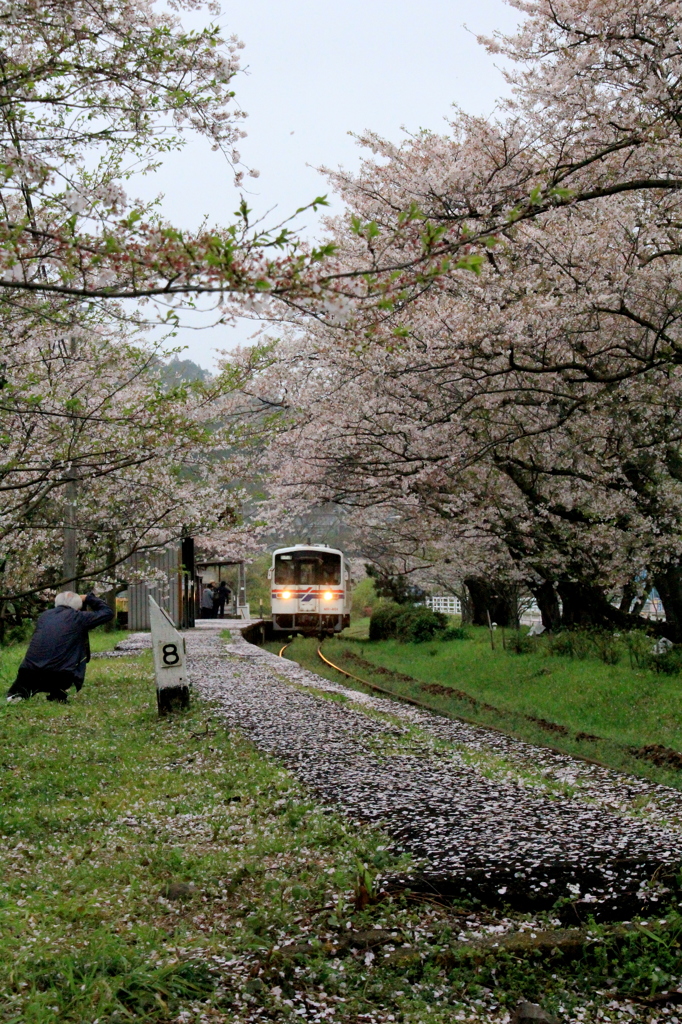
(600, 711)
(166, 871)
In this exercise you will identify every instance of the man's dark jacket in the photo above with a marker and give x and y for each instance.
(60, 641)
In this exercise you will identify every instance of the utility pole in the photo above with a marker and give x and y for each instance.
(110, 595)
(70, 555)
(70, 568)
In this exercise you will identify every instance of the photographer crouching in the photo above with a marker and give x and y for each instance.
(59, 649)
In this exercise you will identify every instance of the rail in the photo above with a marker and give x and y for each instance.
(377, 689)
(437, 711)
(380, 689)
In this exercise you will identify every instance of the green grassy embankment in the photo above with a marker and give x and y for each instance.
(583, 706)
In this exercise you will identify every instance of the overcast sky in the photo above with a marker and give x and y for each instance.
(315, 72)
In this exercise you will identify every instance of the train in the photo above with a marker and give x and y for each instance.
(310, 590)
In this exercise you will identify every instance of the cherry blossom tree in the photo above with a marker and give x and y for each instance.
(530, 411)
(593, 115)
(482, 369)
(91, 95)
(151, 460)
(92, 445)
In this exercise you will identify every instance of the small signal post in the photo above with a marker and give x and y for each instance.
(170, 669)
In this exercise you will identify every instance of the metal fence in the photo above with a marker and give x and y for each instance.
(449, 605)
(167, 591)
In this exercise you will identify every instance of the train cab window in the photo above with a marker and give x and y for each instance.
(307, 571)
(308, 568)
(285, 569)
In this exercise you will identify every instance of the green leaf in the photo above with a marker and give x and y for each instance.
(472, 263)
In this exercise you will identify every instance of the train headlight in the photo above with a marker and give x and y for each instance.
(286, 594)
(328, 596)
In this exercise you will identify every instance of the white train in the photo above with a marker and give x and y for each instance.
(310, 590)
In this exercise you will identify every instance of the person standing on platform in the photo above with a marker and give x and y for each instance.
(207, 602)
(223, 595)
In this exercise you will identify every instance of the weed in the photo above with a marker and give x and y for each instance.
(520, 643)
(638, 645)
(606, 645)
(571, 643)
(454, 633)
(668, 662)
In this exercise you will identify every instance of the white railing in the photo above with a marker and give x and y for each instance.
(448, 605)
(529, 613)
(653, 609)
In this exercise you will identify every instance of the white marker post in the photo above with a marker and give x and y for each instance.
(172, 682)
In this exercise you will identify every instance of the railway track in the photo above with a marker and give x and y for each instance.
(372, 686)
(478, 834)
(375, 688)
(401, 698)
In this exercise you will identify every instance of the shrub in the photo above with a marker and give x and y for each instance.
(669, 662)
(416, 625)
(521, 643)
(606, 646)
(411, 625)
(586, 643)
(382, 625)
(571, 643)
(19, 634)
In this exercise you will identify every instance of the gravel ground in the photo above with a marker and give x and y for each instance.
(133, 644)
(484, 814)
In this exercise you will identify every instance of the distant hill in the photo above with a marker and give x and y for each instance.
(179, 371)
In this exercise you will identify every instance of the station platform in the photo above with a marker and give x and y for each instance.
(211, 625)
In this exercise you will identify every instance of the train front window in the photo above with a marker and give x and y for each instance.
(284, 569)
(307, 571)
(308, 568)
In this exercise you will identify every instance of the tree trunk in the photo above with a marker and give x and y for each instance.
(547, 601)
(467, 607)
(668, 583)
(627, 597)
(632, 602)
(582, 605)
(585, 604)
(493, 598)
